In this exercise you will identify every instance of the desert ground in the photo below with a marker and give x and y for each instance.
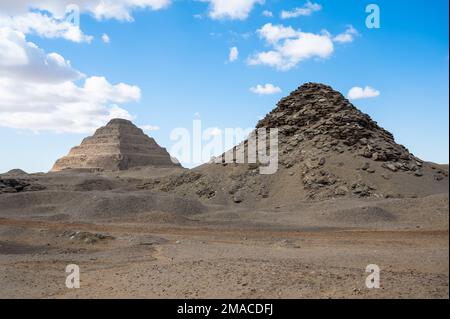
(310, 250)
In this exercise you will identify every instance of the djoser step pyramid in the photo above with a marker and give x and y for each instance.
(119, 145)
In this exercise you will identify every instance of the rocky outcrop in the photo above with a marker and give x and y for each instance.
(119, 145)
(15, 172)
(11, 185)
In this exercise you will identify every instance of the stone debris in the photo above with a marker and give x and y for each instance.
(86, 237)
(203, 186)
(11, 185)
(238, 197)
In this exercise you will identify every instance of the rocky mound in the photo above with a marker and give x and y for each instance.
(12, 185)
(327, 149)
(119, 145)
(318, 124)
(316, 115)
(15, 172)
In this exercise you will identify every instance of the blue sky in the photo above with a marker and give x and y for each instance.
(178, 55)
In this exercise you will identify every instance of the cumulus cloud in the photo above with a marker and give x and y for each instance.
(45, 26)
(47, 18)
(105, 38)
(121, 9)
(347, 36)
(63, 107)
(233, 55)
(274, 33)
(100, 9)
(357, 93)
(267, 89)
(41, 91)
(38, 91)
(231, 9)
(308, 9)
(290, 47)
(24, 61)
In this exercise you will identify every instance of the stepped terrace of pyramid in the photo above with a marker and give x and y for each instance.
(119, 145)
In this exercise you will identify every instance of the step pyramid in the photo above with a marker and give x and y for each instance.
(120, 145)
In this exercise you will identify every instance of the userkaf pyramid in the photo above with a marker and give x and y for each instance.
(327, 148)
(119, 145)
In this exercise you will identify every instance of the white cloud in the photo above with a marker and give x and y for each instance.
(267, 89)
(234, 54)
(105, 38)
(308, 9)
(24, 61)
(12, 53)
(347, 36)
(231, 9)
(100, 9)
(357, 93)
(274, 33)
(63, 107)
(121, 9)
(290, 47)
(38, 92)
(46, 18)
(267, 13)
(45, 26)
(41, 91)
(150, 128)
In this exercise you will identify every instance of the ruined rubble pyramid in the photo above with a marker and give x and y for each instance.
(317, 120)
(323, 118)
(327, 149)
(119, 145)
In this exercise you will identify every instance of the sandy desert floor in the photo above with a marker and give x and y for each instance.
(277, 253)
